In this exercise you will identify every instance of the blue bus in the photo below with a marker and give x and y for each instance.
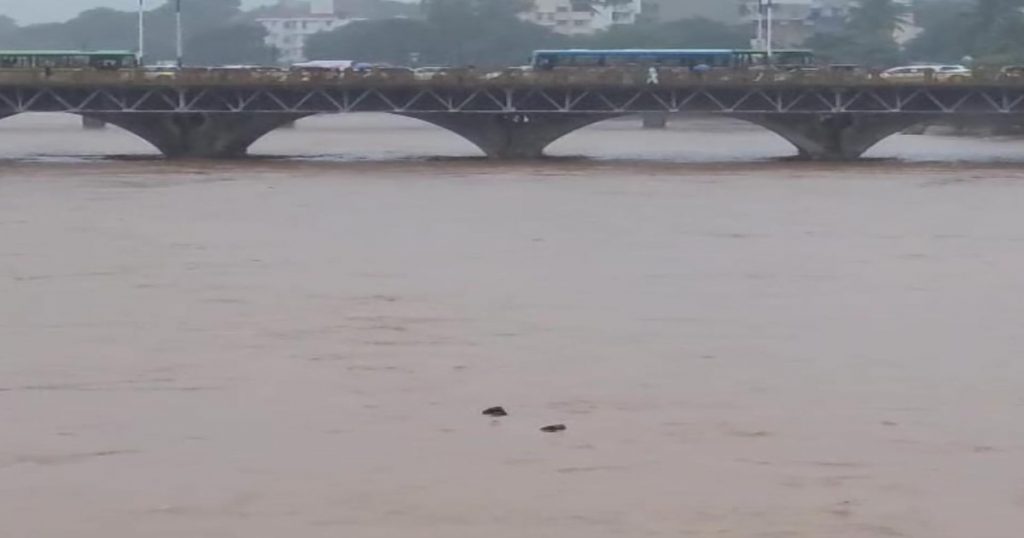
(688, 58)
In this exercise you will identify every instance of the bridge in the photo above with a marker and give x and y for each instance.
(513, 114)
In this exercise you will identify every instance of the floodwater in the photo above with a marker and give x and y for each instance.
(740, 346)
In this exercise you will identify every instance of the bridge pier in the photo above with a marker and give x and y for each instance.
(655, 120)
(90, 123)
(198, 135)
(517, 136)
(833, 137)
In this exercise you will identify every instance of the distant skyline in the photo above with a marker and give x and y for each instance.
(34, 11)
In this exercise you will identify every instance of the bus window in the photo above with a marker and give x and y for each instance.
(67, 60)
(616, 60)
(546, 61)
(715, 59)
(590, 60)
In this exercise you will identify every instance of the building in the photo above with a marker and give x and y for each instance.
(290, 22)
(574, 17)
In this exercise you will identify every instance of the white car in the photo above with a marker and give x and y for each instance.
(921, 73)
(332, 65)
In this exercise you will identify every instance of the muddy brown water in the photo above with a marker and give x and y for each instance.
(302, 346)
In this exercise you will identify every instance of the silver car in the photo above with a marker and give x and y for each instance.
(931, 72)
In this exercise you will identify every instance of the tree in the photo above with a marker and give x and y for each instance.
(878, 19)
(456, 11)
(991, 31)
(944, 36)
(242, 43)
(868, 37)
(682, 34)
(8, 31)
(7, 25)
(214, 31)
(484, 32)
(998, 27)
(102, 28)
(392, 41)
(487, 33)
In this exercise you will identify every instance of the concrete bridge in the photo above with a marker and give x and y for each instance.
(509, 115)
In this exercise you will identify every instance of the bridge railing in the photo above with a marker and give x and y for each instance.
(460, 77)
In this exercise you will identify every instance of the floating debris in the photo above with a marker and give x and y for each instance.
(496, 412)
(554, 428)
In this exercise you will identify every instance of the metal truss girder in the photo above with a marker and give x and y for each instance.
(411, 98)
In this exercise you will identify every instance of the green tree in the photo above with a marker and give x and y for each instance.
(392, 41)
(7, 25)
(214, 32)
(878, 20)
(486, 33)
(868, 37)
(686, 33)
(8, 31)
(458, 11)
(241, 43)
(944, 36)
(991, 31)
(998, 27)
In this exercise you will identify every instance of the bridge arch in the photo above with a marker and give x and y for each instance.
(833, 137)
(512, 136)
(198, 135)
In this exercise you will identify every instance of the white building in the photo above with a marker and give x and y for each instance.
(572, 17)
(291, 23)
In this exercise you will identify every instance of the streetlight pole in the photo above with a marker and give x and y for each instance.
(177, 23)
(770, 6)
(759, 40)
(142, 33)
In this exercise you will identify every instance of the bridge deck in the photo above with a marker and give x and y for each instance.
(615, 91)
(509, 114)
(466, 77)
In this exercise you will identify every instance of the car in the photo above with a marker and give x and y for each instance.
(327, 65)
(161, 70)
(429, 72)
(1011, 72)
(927, 72)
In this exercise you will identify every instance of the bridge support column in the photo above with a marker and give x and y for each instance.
(833, 137)
(90, 123)
(655, 120)
(511, 136)
(198, 135)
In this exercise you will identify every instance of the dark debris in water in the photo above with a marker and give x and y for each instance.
(497, 411)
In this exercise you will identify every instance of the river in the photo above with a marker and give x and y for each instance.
(301, 344)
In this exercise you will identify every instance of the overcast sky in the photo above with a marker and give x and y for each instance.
(28, 11)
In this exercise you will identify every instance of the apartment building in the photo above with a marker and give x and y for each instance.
(574, 17)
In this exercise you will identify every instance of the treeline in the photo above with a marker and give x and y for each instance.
(987, 32)
(217, 32)
(490, 33)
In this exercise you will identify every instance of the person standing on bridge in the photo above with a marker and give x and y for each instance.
(652, 76)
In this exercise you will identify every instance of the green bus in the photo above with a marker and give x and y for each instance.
(107, 60)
